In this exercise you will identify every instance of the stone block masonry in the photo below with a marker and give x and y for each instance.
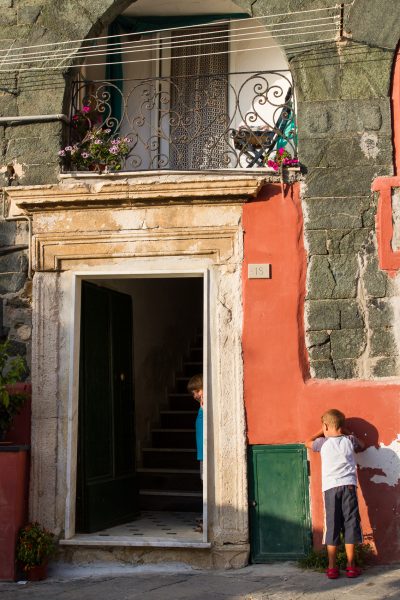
(350, 301)
(345, 141)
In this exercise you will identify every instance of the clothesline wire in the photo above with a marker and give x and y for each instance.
(173, 45)
(80, 41)
(86, 51)
(295, 44)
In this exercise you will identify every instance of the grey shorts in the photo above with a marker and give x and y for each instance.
(342, 516)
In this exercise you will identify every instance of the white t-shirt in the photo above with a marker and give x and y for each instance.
(337, 460)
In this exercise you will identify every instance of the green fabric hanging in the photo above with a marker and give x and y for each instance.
(125, 25)
(289, 134)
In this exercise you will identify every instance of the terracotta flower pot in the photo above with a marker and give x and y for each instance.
(37, 573)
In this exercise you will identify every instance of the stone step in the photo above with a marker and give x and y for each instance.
(173, 438)
(176, 458)
(184, 419)
(182, 401)
(174, 500)
(170, 479)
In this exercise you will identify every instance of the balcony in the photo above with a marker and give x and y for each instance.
(240, 120)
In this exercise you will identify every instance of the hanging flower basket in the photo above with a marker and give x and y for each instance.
(96, 147)
(282, 158)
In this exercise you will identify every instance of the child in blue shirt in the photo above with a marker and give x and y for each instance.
(195, 387)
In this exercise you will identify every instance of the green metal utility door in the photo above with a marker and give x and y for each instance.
(107, 490)
(279, 502)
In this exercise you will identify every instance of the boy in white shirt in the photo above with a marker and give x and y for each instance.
(339, 486)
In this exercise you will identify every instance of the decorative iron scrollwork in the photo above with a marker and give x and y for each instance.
(229, 121)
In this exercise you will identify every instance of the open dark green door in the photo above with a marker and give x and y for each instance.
(107, 490)
(279, 502)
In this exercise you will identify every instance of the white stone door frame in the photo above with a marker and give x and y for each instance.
(73, 392)
(121, 226)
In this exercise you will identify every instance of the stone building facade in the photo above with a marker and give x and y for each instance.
(324, 333)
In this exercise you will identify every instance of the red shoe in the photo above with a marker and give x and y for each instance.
(332, 573)
(353, 572)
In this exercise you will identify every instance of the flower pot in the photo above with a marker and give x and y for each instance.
(37, 573)
(99, 168)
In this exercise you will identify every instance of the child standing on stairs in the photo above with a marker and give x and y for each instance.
(195, 387)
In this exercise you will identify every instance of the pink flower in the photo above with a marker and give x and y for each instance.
(274, 165)
(68, 148)
(85, 155)
(281, 151)
(114, 149)
(61, 153)
(85, 109)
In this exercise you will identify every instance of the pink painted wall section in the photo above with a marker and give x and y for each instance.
(20, 431)
(396, 112)
(389, 259)
(282, 404)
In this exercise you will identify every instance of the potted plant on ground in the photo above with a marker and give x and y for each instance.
(35, 546)
(11, 402)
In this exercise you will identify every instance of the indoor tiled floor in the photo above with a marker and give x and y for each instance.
(158, 524)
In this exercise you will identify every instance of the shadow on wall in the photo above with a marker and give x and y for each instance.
(379, 480)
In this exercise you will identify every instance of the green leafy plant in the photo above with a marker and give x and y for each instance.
(11, 372)
(94, 146)
(317, 560)
(35, 545)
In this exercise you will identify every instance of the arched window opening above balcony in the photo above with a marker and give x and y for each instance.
(209, 89)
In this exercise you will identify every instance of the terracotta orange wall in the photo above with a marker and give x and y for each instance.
(20, 432)
(283, 405)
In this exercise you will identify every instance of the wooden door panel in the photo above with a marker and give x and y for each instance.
(107, 490)
(279, 502)
(96, 384)
(124, 422)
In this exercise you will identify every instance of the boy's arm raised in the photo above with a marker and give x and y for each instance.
(360, 443)
(308, 443)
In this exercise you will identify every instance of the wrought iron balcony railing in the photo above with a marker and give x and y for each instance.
(229, 121)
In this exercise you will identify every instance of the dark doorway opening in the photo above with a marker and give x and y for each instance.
(141, 341)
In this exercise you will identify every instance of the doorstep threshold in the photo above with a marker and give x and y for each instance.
(93, 540)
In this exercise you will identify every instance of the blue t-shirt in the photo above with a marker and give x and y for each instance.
(199, 434)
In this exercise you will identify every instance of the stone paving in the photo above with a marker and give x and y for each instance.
(177, 582)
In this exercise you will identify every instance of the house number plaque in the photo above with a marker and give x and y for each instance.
(262, 271)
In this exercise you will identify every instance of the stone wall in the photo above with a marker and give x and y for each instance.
(28, 151)
(344, 143)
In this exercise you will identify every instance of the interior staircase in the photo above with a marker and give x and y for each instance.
(170, 478)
